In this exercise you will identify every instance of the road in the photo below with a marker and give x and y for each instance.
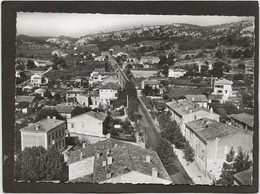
(152, 134)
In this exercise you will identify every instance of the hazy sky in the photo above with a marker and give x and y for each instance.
(76, 25)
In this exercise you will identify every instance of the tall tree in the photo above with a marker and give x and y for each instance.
(48, 112)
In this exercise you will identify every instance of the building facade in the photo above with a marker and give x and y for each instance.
(48, 132)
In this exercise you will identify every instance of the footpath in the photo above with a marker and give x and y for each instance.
(192, 170)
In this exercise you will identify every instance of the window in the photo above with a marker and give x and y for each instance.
(56, 134)
(52, 135)
(59, 132)
(226, 91)
(195, 117)
(72, 125)
(49, 139)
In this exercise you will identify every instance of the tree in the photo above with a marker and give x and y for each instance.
(219, 54)
(218, 69)
(20, 67)
(188, 152)
(36, 163)
(30, 64)
(77, 111)
(238, 77)
(225, 179)
(57, 97)
(241, 66)
(147, 91)
(165, 71)
(242, 161)
(47, 94)
(165, 152)
(48, 112)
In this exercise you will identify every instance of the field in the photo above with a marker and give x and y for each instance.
(35, 53)
(176, 92)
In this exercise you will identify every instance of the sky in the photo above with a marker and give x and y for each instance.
(76, 25)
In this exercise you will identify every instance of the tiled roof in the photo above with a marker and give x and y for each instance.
(28, 99)
(151, 82)
(197, 98)
(98, 115)
(223, 82)
(64, 108)
(45, 125)
(126, 158)
(75, 91)
(183, 107)
(110, 85)
(210, 129)
(244, 117)
(99, 70)
(244, 177)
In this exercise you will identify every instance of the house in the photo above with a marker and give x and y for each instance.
(42, 63)
(37, 79)
(223, 87)
(242, 120)
(212, 140)
(28, 88)
(74, 93)
(152, 83)
(149, 60)
(48, 132)
(109, 91)
(17, 74)
(89, 123)
(83, 99)
(28, 99)
(111, 79)
(176, 73)
(96, 101)
(184, 111)
(244, 177)
(201, 100)
(146, 73)
(99, 74)
(64, 110)
(40, 91)
(115, 161)
(100, 58)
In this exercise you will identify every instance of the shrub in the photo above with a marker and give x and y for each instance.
(188, 152)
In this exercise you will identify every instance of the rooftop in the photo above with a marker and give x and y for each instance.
(61, 108)
(98, 115)
(210, 129)
(223, 82)
(75, 91)
(244, 117)
(45, 125)
(244, 177)
(126, 158)
(110, 85)
(99, 70)
(177, 70)
(183, 107)
(197, 98)
(28, 99)
(151, 82)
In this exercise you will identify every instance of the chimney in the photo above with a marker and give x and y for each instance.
(48, 117)
(54, 117)
(107, 151)
(154, 173)
(104, 163)
(109, 159)
(211, 110)
(148, 158)
(37, 127)
(109, 174)
(80, 155)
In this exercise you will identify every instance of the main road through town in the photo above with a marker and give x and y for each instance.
(152, 134)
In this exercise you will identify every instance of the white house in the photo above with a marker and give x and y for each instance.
(83, 99)
(89, 123)
(223, 87)
(184, 111)
(176, 73)
(37, 79)
(17, 74)
(109, 91)
(201, 100)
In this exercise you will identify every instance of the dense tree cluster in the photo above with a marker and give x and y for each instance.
(235, 164)
(33, 164)
(149, 91)
(171, 131)
(48, 112)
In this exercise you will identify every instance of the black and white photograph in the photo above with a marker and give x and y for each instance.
(139, 99)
